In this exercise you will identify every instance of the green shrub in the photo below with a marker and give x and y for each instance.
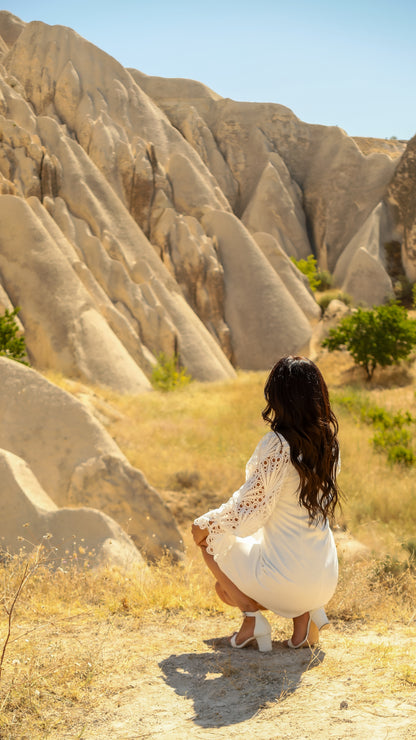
(167, 373)
(392, 436)
(403, 290)
(308, 267)
(383, 336)
(318, 279)
(397, 443)
(324, 279)
(325, 299)
(11, 345)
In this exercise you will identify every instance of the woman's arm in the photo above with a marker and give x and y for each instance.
(199, 535)
(249, 507)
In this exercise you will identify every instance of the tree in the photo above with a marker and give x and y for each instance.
(11, 345)
(383, 336)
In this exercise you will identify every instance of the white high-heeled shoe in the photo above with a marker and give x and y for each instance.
(262, 633)
(317, 621)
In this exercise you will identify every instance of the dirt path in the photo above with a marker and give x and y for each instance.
(169, 680)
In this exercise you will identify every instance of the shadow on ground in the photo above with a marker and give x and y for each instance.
(228, 687)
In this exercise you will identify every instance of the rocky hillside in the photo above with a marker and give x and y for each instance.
(143, 215)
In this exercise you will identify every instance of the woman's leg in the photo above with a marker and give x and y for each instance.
(300, 626)
(234, 597)
(231, 595)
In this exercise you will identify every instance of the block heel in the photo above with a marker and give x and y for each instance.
(262, 633)
(319, 617)
(317, 621)
(264, 643)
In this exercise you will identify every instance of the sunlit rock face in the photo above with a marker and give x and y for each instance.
(60, 468)
(401, 204)
(131, 208)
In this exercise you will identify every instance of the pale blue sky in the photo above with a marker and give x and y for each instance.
(348, 64)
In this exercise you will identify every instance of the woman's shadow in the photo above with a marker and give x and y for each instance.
(229, 686)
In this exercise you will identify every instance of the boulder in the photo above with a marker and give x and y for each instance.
(82, 536)
(335, 311)
(371, 236)
(367, 280)
(75, 460)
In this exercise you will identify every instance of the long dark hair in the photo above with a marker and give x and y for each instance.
(298, 406)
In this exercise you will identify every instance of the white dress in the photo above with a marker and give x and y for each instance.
(263, 541)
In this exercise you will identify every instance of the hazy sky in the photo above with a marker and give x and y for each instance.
(350, 64)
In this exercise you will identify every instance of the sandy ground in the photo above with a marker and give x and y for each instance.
(176, 680)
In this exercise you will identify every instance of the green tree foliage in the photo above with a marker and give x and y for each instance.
(318, 279)
(383, 336)
(308, 267)
(11, 345)
(168, 375)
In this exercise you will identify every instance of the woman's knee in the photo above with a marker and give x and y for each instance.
(222, 594)
(220, 591)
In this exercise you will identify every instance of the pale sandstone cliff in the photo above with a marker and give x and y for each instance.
(142, 215)
(132, 207)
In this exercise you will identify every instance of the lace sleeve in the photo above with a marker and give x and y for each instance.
(250, 507)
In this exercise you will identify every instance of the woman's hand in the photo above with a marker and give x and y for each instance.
(199, 535)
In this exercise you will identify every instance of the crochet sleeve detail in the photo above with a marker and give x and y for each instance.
(249, 508)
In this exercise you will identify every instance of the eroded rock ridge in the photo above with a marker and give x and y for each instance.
(143, 215)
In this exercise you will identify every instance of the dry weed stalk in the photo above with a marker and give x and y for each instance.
(31, 565)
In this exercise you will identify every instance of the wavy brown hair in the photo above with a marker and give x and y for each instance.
(298, 407)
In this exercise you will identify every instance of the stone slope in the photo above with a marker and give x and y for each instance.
(327, 174)
(138, 201)
(69, 456)
(29, 517)
(401, 204)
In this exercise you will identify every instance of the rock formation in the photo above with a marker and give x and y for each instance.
(28, 518)
(401, 203)
(131, 209)
(62, 457)
(142, 215)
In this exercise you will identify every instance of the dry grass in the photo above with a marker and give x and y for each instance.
(73, 629)
(200, 428)
(193, 444)
(392, 147)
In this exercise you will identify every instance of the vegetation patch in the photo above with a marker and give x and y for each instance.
(167, 374)
(11, 344)
(381, 336)
(394, 433)
(318, 279)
